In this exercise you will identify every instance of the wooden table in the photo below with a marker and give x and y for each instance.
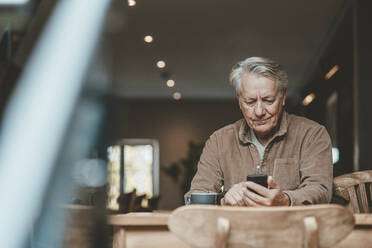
(145, 230)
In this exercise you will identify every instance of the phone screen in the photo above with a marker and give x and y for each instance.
(260, 179)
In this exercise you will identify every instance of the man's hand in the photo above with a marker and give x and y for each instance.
(243, 194)
(272, 196)
(236, 196)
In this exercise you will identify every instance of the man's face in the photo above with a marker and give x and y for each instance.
(261, 103)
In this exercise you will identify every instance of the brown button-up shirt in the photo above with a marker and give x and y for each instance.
(299, 157)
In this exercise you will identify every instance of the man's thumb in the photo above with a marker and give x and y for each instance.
(271, 183)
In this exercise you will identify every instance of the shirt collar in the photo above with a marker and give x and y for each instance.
(245, 136)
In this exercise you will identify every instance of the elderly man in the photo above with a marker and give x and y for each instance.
(294, 151)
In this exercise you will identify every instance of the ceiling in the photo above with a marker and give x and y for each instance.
(201, 40)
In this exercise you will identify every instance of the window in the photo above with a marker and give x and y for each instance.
(133, 164)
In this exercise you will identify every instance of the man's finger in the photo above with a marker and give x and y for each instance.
(229, 200)
(234, 198)
(257, 188)
(249, 202)
(238, 196)
(255, 197)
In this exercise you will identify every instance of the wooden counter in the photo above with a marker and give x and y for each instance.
(143, 230)
(156, 219)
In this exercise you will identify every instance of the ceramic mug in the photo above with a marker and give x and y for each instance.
(201, 198)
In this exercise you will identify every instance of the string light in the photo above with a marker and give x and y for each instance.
(177, 96)
(332, 72)
(170, 83)
(148, 39)
(131, 3)
(308, 99)
(160, 64)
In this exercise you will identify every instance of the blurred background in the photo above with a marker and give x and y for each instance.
(151, 85)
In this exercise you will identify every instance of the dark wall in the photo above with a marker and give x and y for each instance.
(354, 61)
(339, 52)
(364, 37)
(174, 124)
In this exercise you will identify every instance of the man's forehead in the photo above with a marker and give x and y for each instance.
(265, 86)
(252, 75)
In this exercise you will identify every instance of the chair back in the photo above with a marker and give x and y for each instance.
(355, 188)
(305, 226)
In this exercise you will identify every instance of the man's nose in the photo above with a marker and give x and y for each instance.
(259, 110)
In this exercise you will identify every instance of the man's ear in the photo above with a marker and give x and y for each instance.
(284, 95)
(237, 97)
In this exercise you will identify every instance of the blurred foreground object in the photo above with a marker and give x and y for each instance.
(305, 226)
(48, 117)
(13, 2)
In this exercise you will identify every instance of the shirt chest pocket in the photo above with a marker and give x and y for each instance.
(286, 173)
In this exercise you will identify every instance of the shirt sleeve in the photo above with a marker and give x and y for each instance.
(316, 170)
(209, 176)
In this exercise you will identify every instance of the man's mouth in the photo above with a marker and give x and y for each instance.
(260, 122)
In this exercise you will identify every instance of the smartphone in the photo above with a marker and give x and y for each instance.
(260, 179)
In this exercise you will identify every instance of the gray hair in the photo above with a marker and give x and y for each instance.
(262, 66)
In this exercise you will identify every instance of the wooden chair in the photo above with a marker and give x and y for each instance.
(126, 202)
(354, 188)
(305, 226)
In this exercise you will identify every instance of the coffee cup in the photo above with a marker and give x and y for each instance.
(202, 198)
